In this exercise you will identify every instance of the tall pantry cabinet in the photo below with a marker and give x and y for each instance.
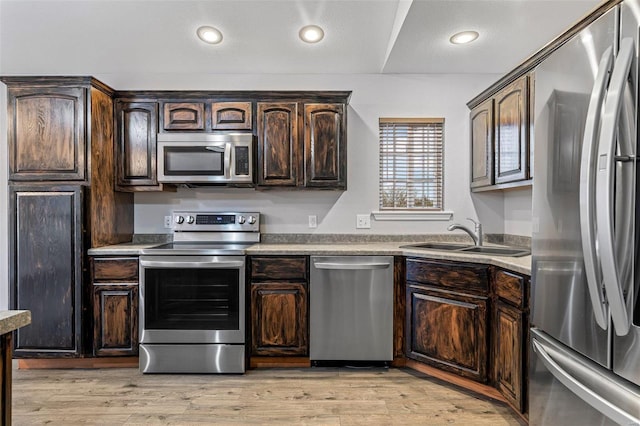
(62, 201)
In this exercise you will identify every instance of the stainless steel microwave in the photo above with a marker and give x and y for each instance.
(205, 158)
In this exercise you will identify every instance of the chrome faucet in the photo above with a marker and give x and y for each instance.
(476, 236)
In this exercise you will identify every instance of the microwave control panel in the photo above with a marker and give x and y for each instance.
(242, 160)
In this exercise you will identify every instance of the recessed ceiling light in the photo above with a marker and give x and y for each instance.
(209, 35)
(464, 37)
(311, 34)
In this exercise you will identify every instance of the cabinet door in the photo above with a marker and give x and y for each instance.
(511, 127)
(279, 319)
(278, 144)
(136, 125)
(447, 330)
(115, 316)
(231, 116)
(183, 116)
(45, 272)
(508, 350)
(46, 133)
(482, 144)
(325, 146)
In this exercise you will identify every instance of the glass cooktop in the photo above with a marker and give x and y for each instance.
(198, 248)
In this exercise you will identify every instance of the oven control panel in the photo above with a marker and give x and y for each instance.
(216, 221)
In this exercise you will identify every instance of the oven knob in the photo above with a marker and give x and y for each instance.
(241, 220)
(252, 220)
(179, 219)
(190, 219)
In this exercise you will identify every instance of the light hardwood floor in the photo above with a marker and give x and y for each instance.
(325, 396)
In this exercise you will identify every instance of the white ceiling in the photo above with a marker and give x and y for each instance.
(260, 36)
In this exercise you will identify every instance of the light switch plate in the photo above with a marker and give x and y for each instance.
(363, 221)
(167, 221)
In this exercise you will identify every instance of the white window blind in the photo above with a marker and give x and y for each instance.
(411, 163)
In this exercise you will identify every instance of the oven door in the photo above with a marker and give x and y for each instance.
(192, 299)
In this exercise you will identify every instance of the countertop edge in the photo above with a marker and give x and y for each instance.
(13, 320)
(516, 264)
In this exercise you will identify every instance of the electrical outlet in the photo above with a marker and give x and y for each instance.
(167, 221)
(313, 221)
(363, 221)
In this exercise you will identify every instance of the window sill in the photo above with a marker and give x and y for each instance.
(412, 215)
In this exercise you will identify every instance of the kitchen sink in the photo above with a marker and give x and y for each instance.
(462, 248)
(439, 246)
(500, 251)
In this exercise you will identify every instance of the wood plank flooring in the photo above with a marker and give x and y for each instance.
(318, 396)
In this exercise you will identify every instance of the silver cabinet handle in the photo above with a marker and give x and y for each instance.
(605, 187)
(348, 266)
(587, 184)
(555, 359)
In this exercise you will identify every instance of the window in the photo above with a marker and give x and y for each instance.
(411, 163)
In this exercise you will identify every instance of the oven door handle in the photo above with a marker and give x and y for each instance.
(179, 264)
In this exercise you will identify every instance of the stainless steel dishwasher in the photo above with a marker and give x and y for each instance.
(351, 316)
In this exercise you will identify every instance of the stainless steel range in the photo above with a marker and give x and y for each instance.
(192, 295)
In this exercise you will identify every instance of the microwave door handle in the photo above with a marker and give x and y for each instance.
(605, 187)
(587, 180)
(227, 161)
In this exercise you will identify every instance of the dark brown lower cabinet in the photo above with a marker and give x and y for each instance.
(45, 271)
(279, 319)
(448, 330)
(279, 300)
(508, 340)
(115, 312)
(115, 306)
(510, 336)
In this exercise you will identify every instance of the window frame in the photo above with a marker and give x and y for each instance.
(422, 156)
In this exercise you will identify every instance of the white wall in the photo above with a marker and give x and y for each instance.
(374, 96)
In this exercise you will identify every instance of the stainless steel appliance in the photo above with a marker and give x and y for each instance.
(351, 308)
(206, 158)
(192, 295)
(585, 309)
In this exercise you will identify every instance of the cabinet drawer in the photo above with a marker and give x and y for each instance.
(115, 269)
(183, 116)
(461, 276)
(231, 116)
(509, 287)
(279, 268)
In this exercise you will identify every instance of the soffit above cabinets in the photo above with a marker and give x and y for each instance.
(261, 36)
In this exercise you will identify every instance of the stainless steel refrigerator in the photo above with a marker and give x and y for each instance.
(585, 310)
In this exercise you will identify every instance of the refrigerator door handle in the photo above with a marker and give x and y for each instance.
(587, 183)
(597, 388)
(605, 187)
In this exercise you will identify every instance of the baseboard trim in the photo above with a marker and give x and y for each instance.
(70, 363)
(279, 362)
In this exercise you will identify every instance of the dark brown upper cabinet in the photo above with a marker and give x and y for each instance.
(325, 151)
(136, 134)
(501, 152)
(183, 116)
(511, 131)
(278, 144)
(46, 133)
(231, 116)
(482, 144)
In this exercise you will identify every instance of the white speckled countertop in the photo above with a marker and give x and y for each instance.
(13, 320)
(517, 264)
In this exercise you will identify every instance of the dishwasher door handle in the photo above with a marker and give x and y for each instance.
(351, 266)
